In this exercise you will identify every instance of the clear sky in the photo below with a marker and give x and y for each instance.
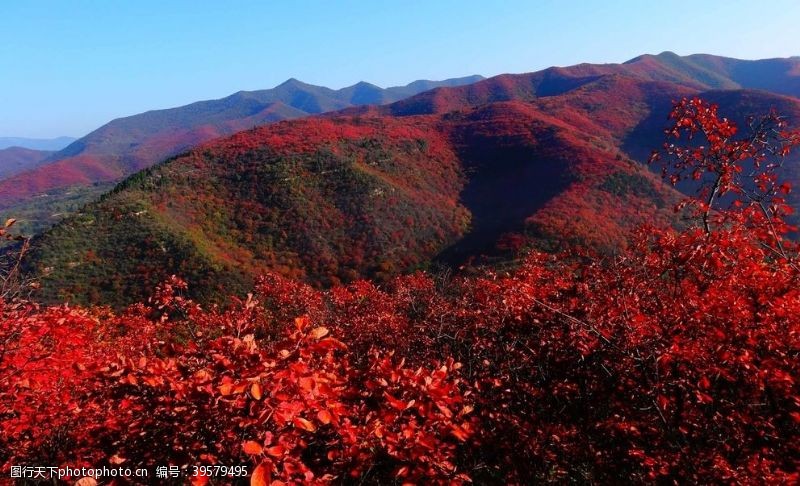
(67, 67)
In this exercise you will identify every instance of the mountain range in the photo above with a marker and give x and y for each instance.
(45, 144)
(440, 177)
(126, 145)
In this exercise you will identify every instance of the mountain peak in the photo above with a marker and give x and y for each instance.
(364, 93)
(665, 55)
(364, 84)
(292, 83)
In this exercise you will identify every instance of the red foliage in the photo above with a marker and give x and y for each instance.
(746, 168)
(677, 361)
(238, 391)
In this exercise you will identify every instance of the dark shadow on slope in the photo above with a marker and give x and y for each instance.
(649, 135)
(507, 183)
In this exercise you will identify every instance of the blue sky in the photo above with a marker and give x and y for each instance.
(67, 67)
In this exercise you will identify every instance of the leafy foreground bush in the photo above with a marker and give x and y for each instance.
(675, 362)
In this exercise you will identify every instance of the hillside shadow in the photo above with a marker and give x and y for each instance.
(648, 135)
(505, 186)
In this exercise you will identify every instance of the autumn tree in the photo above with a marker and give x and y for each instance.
(725, 162)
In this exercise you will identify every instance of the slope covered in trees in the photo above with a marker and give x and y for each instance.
(380, 190)
(334, 199)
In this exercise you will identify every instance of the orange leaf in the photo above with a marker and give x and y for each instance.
(226, 389)
(261, 475)
(324, 417)
(306, 383)
(87, 481)
(252, 448)
(202, 376)
(276, 451)
(318, 332)
(255, 390)
(301, 322)
(304, 424)
(117, 459)
(459, 433)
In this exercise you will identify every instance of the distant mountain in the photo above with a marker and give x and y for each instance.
(14, 160)
(129, 144)
(779, 75)
(48, 144)
(698, 72)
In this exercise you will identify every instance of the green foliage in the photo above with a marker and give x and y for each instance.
(631, 184)
(100, 249)
(37, 215)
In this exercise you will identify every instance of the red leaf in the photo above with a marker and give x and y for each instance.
(304, 424)
(199, 480)
(255, 391)
(324, 417)
(276, 451)
(261, 475)
(252, 448)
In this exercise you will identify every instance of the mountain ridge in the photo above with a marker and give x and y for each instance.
(292, 94)
(109, 154)
(374, 191)
(665, 67)
(82, 171)
(546, 158)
